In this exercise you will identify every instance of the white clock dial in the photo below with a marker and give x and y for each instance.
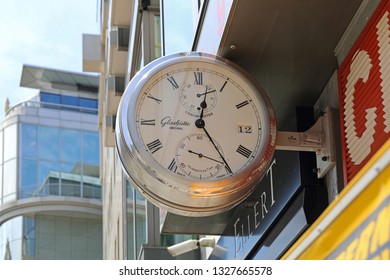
(195, 133)
(228, 115)
(196, 157)
(192, 95)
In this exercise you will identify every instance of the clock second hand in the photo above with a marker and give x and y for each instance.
(199, 123)
(215, 146)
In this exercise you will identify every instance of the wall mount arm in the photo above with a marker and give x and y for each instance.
(189, 245)
(318, 139)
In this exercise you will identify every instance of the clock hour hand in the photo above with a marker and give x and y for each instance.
(203, 105)
(203, 156)
(199, 123)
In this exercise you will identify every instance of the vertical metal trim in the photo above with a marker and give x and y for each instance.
(152, 225)
(202, 15)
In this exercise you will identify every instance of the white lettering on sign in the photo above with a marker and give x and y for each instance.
(244, 229)
(383, 32)
(360, 147)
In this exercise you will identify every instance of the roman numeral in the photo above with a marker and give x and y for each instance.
(242, 104)
(148, 122)
(223, 86)
(243, 151)
(173, 83)
(172, 166)
(228, 170)
(198, 78)
(154, 146)
(154, 98)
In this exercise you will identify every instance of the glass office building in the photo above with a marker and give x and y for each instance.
(50, 190)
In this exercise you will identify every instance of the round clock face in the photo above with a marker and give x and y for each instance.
(194, 133)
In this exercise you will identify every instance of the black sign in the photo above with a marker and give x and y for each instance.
(251, 220)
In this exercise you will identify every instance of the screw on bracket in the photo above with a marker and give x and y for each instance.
(316, 170)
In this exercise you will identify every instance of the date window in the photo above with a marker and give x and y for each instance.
(244, 128)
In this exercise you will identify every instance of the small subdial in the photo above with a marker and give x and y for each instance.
(197, 158)
(192, 95)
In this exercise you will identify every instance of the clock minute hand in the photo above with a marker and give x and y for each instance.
(207, 92)
(215, 146)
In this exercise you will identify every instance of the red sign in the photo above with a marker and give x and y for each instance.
(364, 86)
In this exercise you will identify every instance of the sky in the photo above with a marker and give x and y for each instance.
(45, 33)
(179, 37)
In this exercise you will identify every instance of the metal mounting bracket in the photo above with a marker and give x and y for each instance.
(318, 139)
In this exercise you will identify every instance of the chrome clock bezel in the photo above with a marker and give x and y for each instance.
(176, 194)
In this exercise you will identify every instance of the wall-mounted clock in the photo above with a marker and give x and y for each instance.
(195, 133)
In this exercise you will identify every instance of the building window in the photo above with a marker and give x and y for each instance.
(58, 161)
(29, 141)
(69, 100)
(1, 148)
(9, 180)
(48, 178)
(70, 145)
(91, 147)
(28, 177)
(71, 179)
(50, 237)
(10, 142)
(28, 242)
(50, 98)
(11, 239)
(48, 143)
(88, 103)
(72, 103)
(136, 221)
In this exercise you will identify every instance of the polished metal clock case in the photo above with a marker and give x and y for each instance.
(179, 129)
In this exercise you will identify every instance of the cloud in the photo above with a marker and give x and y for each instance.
(45, 33)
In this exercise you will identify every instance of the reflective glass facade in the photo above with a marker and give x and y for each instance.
(74, 103)
(9, 163)
(136, 221)
(53, 161)
(59, 161)
(45, 153)
(50, 237)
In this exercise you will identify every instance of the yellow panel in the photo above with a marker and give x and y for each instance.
(360, 230)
